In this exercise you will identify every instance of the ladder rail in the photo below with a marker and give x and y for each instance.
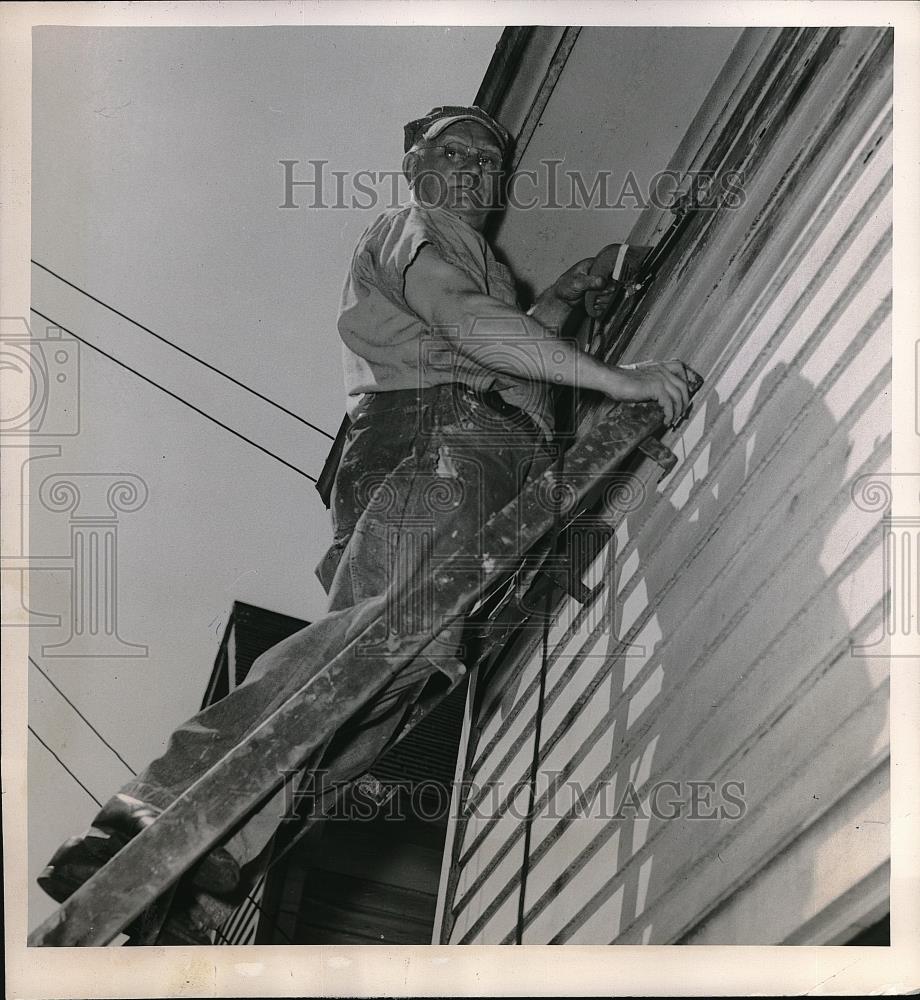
(236, 784)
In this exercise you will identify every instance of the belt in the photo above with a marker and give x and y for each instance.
(495, 401)
(489, 397)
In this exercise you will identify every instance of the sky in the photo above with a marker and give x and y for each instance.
(156, 188)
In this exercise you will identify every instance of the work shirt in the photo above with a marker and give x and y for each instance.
(387, 346)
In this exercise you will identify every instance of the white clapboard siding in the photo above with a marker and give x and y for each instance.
(242, 926)
(739, 637)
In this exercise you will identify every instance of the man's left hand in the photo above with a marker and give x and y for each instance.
(568, 291)
(572, 284)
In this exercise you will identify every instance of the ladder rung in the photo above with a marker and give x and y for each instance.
(159, 855)
(570, 584)
(658, 453)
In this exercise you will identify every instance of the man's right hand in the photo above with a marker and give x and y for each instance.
(665, 382)
(448, 299)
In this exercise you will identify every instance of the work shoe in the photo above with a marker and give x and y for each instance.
(180, 929)
(121, 819)
(193, 917)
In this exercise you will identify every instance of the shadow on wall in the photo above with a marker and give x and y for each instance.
(738, 713)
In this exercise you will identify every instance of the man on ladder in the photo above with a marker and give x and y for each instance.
(449, 405)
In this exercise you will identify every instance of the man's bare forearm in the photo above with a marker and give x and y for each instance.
(497, 337)
(550, 311)
(506, 341)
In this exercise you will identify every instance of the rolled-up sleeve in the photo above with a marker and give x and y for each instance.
(389, 248)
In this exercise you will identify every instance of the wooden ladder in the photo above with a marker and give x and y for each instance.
(151, 863)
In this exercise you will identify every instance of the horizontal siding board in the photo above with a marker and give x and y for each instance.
(686, 310)
(829, 234)
(503, 853)
(740, 583)
(691, 883)
(355, 899)
(500, 727)
(508, 830)
(756, 700)
(563, 731)
(569, 890)
(786, 515)
(843, 116)
(826, 772)
(738, 687)
(499, 926)
(723, 427)
(667, 521)
(645, 753)
(730, 657)
(701, 613)
(768, 688)
(511, 756)
(822, 857)
(572, 714)
(712, 618)
(734, 655)
(242, 925)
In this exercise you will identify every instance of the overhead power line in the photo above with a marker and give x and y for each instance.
(81, 715)
(168, 392)
(66, 768)
(182, 350)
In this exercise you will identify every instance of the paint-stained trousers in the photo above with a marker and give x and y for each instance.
(420, 473)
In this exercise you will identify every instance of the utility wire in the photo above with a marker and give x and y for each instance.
(250, 897)
(66, 768)
(168, 392)
(595, 328)
(182, 350)
(82, 716)
(558, 468)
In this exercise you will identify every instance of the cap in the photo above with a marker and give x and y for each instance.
(441, 118)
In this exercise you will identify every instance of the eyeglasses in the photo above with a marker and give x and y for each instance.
(457, 153)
